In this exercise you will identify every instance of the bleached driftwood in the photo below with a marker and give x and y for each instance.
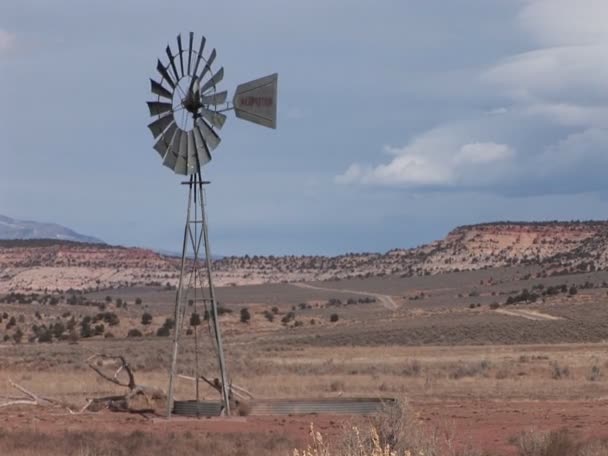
(153, 398)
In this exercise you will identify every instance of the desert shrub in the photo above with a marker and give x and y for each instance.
(134, 333)
(275, 310)
(556, 443)
(107, 317)
(336, 386)
(138, 301)
(146, 319)
(288, 317)
(73, 337)
(298, 323)
(572, 291)
(195, 319)
(334, 318)
(99, 329)
(411, 369)
(223, 310)
(108, 335)
(58, 329)
(268, 315)
(334, 302)
(12, 322)
(163, 331)
(559, 372)
(469, 370)
(85, 327)
(595, 374)
(18, 336)
(245, 315)
(45, 336)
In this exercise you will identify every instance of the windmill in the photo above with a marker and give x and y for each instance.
(188, 112)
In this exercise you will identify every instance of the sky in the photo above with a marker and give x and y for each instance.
(397, 120)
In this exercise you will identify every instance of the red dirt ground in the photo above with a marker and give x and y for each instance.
(483, 424)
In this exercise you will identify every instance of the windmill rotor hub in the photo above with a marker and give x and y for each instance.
(192, 103)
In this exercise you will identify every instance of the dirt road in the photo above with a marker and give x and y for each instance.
(528, 314)
(385, 300)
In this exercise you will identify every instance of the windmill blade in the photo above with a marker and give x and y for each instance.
(208, 65)
(199, 57)
(171, 61)
(165, 74)
(204, 156)
(215, 99)
(181, 51)
(190, 51)
(181, 164)
(211, 138)
(158, 107)
(171, 155)
(164, 140)
(216, 119)
(159, 90)
(192, 157)
(213, 81)
(160, 124)
(256, 101)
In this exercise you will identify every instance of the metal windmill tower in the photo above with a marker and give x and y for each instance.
(189, 112)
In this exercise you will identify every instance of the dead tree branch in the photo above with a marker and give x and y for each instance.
(128, 402)
(33, 399)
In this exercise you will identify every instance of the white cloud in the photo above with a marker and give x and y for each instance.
(564, 22)
(435, 159)
(481, 153)
(7, 40)
(556, 115)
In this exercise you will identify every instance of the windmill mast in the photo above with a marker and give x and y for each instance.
(188, 113)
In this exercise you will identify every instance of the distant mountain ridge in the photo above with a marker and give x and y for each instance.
(11, 229)
(557, 248)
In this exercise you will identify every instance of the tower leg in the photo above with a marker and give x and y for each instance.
(179, 303)
(216, 323)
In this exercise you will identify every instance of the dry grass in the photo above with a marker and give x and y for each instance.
(558, 443)
(394, 432)
(517, 373)
(138, 443)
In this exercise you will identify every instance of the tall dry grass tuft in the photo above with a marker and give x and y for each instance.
(354, 446)
(395, 432)
(558, 443)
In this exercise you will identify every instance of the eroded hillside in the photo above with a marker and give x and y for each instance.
(559, 247)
